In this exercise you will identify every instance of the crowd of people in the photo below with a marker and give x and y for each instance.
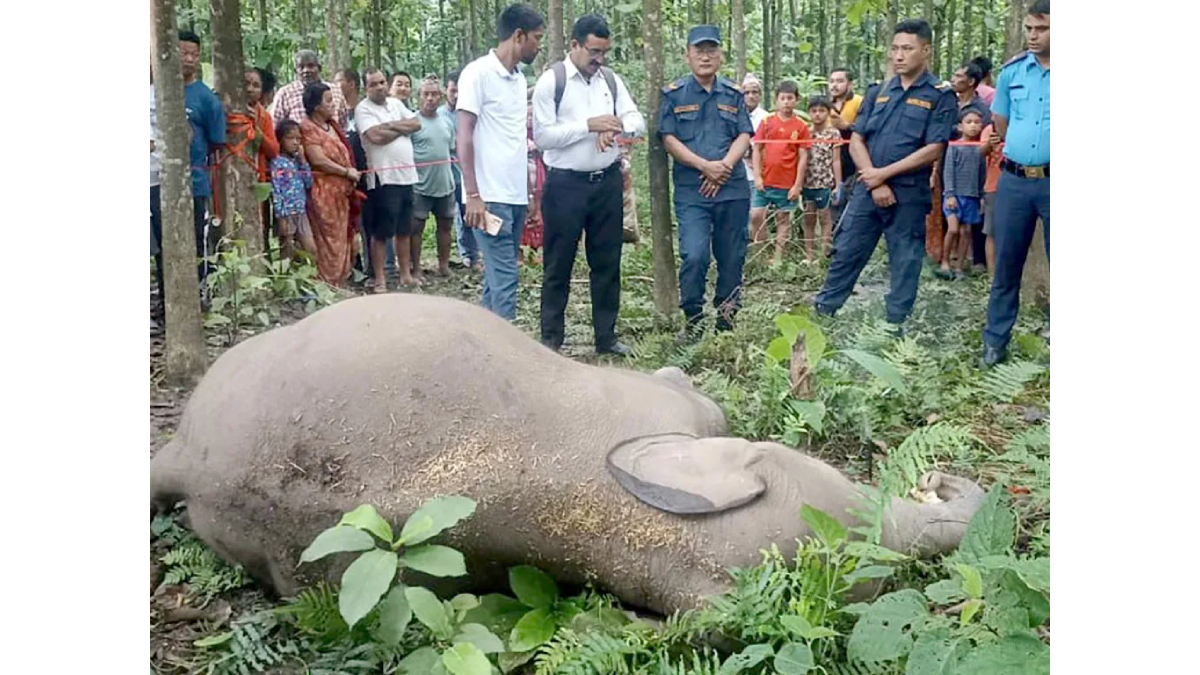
(957, 169)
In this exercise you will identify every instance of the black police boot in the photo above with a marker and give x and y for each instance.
(822, 310)
(692, 331)
(993, 355)
(896, 330)
(617, 348)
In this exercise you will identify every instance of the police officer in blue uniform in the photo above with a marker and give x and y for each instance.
(1021, 110)
(901, 130)
(704, 125)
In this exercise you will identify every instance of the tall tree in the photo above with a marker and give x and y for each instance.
(185, 351)
(237, 170)
(666, 289)
(968, 31)
(472, 31)
(738, 11)
(554, 25)
(304, 14)
(1014, 37)
(768, 60)
(836, 57)
(262, 16)
(949, 11)
(376, 47)
(345, 55)
(332, 54)
(821, 17)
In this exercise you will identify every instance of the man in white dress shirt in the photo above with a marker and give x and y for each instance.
(583, 193)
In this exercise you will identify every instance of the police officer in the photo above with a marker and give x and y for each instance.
(901, 130)
(1021, 110)
(704, 125)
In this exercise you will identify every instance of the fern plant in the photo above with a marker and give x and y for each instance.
(1006, 381)
(248, 647)
(191, 562)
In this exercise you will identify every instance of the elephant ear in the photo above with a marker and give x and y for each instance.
(682, 474)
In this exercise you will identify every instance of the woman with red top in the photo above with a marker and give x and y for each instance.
(333, 183)
(263, 145)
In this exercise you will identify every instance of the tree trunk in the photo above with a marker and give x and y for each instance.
(304, 23)
(189, 22)
(939, 28)
(554, 25)
(822, 35)
(442, 24)
(666, 289)
(186, 354)
(738, 12)
(836, 58)
(968, 31)
(767, 77)
(777, 40)
(332, 58)
(949, 65)
(472, 33)
(236, 175)
(377, 33)
(346, 57)
(1014, 37)
(262, 16)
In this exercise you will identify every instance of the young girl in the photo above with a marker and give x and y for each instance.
(962, 189)
(290, 177)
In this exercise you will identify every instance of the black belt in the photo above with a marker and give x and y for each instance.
(1023, 171)
(589, 176)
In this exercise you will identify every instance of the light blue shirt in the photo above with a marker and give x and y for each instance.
(1023, 97)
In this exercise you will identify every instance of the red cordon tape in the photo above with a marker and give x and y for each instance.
(827, 141)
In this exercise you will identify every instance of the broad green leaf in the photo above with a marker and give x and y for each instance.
(800, 627)
(364, 582)
(827, 529)
(534, 629)
(337, 539)
(972, 581)
(814, 342)
(438, 561)
(429, 610)
(510, 661)
(867, 551)
(481, 637)
(533, 587)
(883, 631)
(466, 659)
(992, 529)
(1034, 572)
(794, 658)
(434, 517)
(1010, 591)
(365, 517)
(498, 612)
(933, 653)
(747, 658)
(969, 610)
(868, 572)
(214, 640)
(879, 368)
(812, 413)
(464, 602)
(262, 192)
(945, 592)
(789, 326)
(780, 349)
(394, 616)
(1022, 654)
(599, 618)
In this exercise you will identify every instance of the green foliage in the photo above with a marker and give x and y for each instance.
(315, 613)
(919, 453)
(1006, 381)
(191, 562)
(248, 647)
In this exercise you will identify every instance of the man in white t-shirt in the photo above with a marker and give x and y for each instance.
(752, 90)
(384, 126)
(492, 143)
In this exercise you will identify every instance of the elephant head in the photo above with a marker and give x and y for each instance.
(766, 483)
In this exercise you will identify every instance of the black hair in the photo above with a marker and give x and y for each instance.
(312, 96)
(971, 110)
(590, 24)
(918, 27)
(398, 73)
(787, 87)
(973, 72)
(374, 69)
(843, 69)
(517, 17)
(453, 76)
(819, 102)
(286, 126)
(189, 36)
(985, 65)
(1039, 8)
(351, 75)
(268, 79)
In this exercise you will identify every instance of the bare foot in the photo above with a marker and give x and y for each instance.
(443, 270)
(410, 281)
(478, 267)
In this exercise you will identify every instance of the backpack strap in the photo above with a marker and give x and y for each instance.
(560, 83)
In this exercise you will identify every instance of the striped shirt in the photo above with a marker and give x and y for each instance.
(964, 171)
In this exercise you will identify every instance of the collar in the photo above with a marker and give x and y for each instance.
(922, 79)
(1031, 61)
(693, 82)
(571, 70)
(498, 65)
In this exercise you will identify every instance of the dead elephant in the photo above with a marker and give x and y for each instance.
(589, 473)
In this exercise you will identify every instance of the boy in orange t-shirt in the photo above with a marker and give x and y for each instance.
(993, 147)
(779, 168)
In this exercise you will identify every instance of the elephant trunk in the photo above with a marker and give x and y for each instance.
(926, 530)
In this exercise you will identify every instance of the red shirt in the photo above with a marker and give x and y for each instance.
(779, 160)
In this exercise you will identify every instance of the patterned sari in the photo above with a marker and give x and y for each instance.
(329, 203)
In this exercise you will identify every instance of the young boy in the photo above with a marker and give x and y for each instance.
(779, 168)
(964, 174)
(290, 178)
(824, 176)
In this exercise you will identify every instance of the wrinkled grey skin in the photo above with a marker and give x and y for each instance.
(394, 399)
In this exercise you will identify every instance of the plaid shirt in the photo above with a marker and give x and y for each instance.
(289, 103)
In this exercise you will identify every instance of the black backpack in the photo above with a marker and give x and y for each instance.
(560, 83)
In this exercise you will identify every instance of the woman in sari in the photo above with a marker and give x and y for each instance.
(334, 178)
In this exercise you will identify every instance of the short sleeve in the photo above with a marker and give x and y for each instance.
(666, 117)
(744, 126)
(366, 117)
(470, 89)
(941, 123)
(1000, 101)
(864, 112)
(761, 134)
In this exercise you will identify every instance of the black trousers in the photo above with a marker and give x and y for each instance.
(573, 204)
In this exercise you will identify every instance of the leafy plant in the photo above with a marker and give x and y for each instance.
(248, 647)
(205, 573)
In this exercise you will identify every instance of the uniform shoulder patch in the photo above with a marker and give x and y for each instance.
(686, 108)
(727, 108)
(673, 86)
(928, 105)
(882, 99)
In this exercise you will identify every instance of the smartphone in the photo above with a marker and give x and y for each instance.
(492, 223)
